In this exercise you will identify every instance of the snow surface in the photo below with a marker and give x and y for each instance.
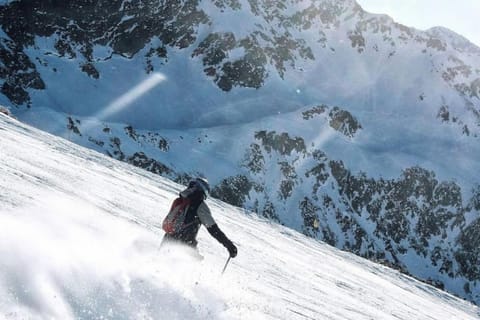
(79, 239)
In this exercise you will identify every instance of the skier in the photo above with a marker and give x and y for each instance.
(188, 212)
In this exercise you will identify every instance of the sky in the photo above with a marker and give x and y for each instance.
(461, 16)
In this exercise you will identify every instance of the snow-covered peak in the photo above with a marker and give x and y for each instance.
(456, 40)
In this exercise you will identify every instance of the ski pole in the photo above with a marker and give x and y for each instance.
(226, 264)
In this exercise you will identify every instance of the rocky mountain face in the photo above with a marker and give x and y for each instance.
(126, 27)
(347, 126)
(270, 40)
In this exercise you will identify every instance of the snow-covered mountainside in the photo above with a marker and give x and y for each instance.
(341, 124)
(230, 61)
(79, 240)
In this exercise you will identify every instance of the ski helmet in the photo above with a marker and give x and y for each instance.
(201, 184)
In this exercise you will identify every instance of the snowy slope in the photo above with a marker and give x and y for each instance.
(79, 240)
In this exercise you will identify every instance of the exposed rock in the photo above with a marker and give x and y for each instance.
(18, 71)
(344, 122)
(115, 144)
(281, 143)
(163, 144)
(309, 114)
(140, 159)
(5, 111)
(436, 44)
(72, 125)
(254, 159)
(96, 141)
(444, 114)
(269, 212)
(233, 190)
(319, 171)
(289, 181)
(358, 41)
(130, 131)
(309, 213)
(339, 119)
(89, 69)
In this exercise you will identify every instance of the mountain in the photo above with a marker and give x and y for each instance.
(80, 234)
(341, 124)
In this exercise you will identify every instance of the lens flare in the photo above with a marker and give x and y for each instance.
(124, 101)
(133, 94)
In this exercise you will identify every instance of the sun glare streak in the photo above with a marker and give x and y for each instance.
(133, 94)
(123, 102)
(323, 137)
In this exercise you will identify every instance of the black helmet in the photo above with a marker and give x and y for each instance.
(200, 184)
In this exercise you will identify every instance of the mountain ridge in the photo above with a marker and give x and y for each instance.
(254, 51)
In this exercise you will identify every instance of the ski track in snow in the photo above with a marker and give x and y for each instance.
(80, 234)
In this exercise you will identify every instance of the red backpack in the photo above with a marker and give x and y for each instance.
(175, 218)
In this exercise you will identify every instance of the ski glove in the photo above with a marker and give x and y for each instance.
(232, 250)
(222, 238)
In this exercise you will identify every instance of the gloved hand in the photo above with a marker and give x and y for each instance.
(232, 250)
(215, 231)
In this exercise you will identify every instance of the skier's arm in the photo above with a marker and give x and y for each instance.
(207, 220)
(205, 215)
(222, 238)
